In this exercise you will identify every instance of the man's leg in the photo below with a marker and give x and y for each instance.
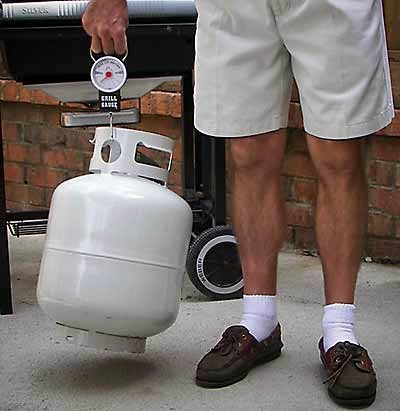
(341, 217)
(260, 225)
(259, 219)
(345, 94)
(242, 90)
(341, 221)
(259, 222)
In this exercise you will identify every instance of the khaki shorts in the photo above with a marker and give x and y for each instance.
(248, 51)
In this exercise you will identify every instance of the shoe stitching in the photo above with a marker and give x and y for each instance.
(343, 354)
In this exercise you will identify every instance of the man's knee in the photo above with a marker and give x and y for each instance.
(258, 153)
(335, 160)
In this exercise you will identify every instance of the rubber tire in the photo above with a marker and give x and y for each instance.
(193, 263)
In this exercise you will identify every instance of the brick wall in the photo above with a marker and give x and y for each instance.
(300, 188)
(383, 171)
(39, 154)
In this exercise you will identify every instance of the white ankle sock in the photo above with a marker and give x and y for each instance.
(338, 324)
(259, 315)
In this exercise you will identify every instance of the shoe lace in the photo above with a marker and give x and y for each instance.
(228, 343)
(343, 354)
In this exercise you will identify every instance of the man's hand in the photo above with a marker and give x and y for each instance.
(106, 22)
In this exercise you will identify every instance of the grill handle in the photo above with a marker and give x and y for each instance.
(73, 10)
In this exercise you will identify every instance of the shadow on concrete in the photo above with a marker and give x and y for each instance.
(93, 374)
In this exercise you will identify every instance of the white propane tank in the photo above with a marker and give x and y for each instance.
(114, 257)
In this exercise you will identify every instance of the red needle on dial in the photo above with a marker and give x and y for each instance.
(108, 74)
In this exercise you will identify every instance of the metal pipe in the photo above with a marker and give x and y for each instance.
(73, 10)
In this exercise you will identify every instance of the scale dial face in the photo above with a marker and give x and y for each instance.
(108, 74)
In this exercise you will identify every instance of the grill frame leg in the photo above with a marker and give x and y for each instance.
(5, 272)
(188, 137)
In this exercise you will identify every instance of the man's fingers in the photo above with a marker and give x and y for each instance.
(106, 21)
(108, 45)
(96, 45)
(120, 42)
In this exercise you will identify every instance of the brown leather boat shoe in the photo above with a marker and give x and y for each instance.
(352, 379)
(234, 355)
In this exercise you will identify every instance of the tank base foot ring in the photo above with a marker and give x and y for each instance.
(101, 341)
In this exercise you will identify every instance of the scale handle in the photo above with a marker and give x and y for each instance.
(72, 10)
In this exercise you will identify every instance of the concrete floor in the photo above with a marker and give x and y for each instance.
(37, 373)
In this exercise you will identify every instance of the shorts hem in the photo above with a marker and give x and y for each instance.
(337, 132)
(237, 129)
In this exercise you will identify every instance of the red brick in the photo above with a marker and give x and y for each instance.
(86, 163)
(15, 206)
(73, 106)
(166, 126)
(295, 93)
(39, 97)
(25, 95)
(67, 159)
(380, 225)
(56, 136)
(397, 234)
(145, 104)
(25, 194)
(299, 215)
(304, 191)
(394, 128)
(11, 91)
(48, 194)
(296, 141)
(12, 131)
(385, 148)
(36, 134)
(14, 172)
(49, 115)
(160, 157)
(79, 140)
(286, 183)
(20, 112)
(25, 153)
(176, 105)
(295, 116)
(175, 175)
(304, 238)
(160, 103)
(398, 177)
(177, 154)
(289, 234)
(384, 248)
(129, 104)
(50, 100)
(47, 136)
(45, 177)
(74, 173)
(3, 82)
(385, 200)
(299, 165)
(382, 173)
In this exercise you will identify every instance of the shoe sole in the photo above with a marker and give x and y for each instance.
(237, 378)
(356, 402)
